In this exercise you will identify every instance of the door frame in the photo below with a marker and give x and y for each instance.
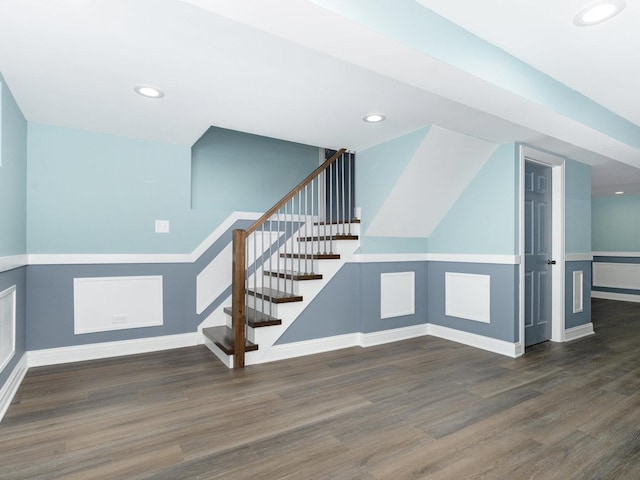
(557, 165)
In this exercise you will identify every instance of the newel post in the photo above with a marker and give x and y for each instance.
(238, 297)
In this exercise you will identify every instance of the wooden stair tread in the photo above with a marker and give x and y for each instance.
(297, 276)
(222, 337)
(322, 238)
(338, 222)
(273, 295)
(256, 319)
(311, 256)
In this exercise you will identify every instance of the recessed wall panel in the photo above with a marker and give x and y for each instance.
(115, 303)
(7, 325)
(468, 296)
(397, 294)
(578, 283)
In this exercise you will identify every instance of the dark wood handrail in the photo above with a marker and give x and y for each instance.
(255, 225)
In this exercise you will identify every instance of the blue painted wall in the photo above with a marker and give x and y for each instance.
(50, 318)
(13, 151)
(13, 175)
(335, 311)
(239, 171)
(503, 298)
(484, 219)
(95, 193)
(350, 303)
(616, 223)
(577, 207)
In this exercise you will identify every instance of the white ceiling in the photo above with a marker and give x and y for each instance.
(292, 69)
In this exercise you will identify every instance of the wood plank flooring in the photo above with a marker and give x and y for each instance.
(423, 408)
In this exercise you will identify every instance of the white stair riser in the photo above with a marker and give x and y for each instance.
(335, 246)
(303, 265)
(319, 230)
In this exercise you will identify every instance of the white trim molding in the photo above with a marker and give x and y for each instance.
(578, 332)
(578, 257)
(338, 342)
(473, 258)
(95, 351)
(307, 347)
(434, 257)
(501, 347)
(616, 254)
(12, 262)
(10, 387)
(388, 336)
(388, 257)
(623, 297)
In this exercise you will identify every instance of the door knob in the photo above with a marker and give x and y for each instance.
(551, 262)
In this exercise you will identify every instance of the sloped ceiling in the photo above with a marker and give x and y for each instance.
(308, 71)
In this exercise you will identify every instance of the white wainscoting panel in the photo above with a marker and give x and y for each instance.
(578, 297)
(468, 296)
(7, 325)
(214, 279)
(617, 275)
(115, 303)
(397, 294)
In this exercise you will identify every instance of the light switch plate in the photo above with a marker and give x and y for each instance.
(162, 226)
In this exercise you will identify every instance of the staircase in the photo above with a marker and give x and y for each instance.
(283, 260)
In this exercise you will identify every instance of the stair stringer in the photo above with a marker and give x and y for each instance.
(288, 312)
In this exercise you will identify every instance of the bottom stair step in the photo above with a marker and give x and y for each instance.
(222, 337)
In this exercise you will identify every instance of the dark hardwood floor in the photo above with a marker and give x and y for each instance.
(423, 408)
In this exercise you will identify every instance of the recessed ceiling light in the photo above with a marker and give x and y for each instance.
(619, 193)
(148, 91)
(373, 118)
(599, 12)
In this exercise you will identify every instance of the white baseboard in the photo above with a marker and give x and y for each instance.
(321, 345)
(478, 341)
(578, 332)
(394, 335)
(307, 347)
(94, 351)
(519, 350)
(338, 342)
(623, 297)
(10, 387)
